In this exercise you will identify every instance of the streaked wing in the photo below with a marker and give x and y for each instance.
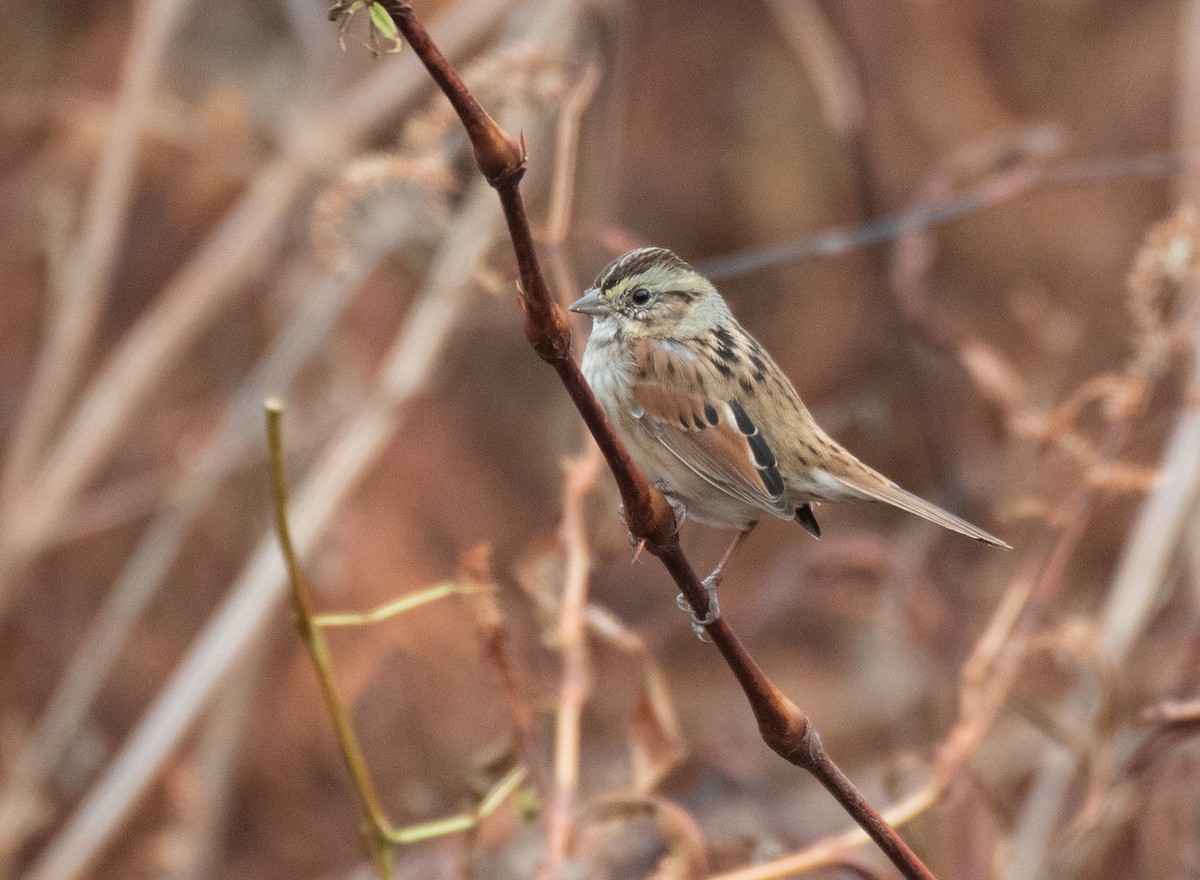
(694, 415)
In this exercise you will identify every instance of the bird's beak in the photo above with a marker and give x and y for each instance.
(591, 303)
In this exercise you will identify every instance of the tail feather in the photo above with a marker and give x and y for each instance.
(876, 487)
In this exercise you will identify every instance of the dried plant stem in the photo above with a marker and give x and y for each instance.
(219, 746)
(489, 623)
(310, 631)
(996, 189)
(829, 66)
(82, 285)
(391, 609)
(783, 726)
(1127, 611)
(380, 833)
(562, 190)
(242, 242)
(993, 668)
(148, 565)
(253, 597)
(579, 479)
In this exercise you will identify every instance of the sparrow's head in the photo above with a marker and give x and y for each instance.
(651, 292)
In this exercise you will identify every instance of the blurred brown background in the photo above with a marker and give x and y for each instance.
(205, 203)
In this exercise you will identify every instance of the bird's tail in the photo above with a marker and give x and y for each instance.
(874, 486)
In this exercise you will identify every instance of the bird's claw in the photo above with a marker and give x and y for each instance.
(679, 510)
(701, 624)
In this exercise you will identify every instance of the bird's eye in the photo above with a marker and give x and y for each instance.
(640, 297)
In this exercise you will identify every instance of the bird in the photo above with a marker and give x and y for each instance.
(709, 417)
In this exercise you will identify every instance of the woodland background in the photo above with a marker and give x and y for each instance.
(201, 204)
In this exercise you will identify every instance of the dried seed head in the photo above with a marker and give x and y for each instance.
(1163, 273)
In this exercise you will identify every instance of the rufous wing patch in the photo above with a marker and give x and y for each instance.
(717, 441)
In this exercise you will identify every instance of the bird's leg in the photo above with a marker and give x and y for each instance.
(710, 585)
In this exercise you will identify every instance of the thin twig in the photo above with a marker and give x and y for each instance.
(394, 607)
(562, 194)
(783, 726)
(579, 479)
(216, 765)
(995, 190)
(242, 242)
(83, 285)
(562, 190)
(827, 62)
(311, 633)
(489, 622)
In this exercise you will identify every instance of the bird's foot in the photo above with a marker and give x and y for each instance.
(701, 624)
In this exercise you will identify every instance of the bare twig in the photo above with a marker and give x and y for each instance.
(80, 299)
(783, 726)
(579, 478)
(562, 192)
(476, 571)
(660, 745)
(215, 767)
(685, 856)
(830, 69)
(310, 631)
(1173, 712)
(994, 190)
(242, 242)
(1143, 565)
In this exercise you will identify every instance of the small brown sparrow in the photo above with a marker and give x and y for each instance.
(708, 416)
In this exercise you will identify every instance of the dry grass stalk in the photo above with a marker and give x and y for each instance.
(578, 481)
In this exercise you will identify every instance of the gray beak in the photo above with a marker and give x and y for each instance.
(591, 303)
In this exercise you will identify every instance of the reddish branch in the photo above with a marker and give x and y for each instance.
(783, 726)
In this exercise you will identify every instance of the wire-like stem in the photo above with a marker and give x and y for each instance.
(392, 608)
(649, 517)
(310, 631)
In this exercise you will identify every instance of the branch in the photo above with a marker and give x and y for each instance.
(649, 517)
